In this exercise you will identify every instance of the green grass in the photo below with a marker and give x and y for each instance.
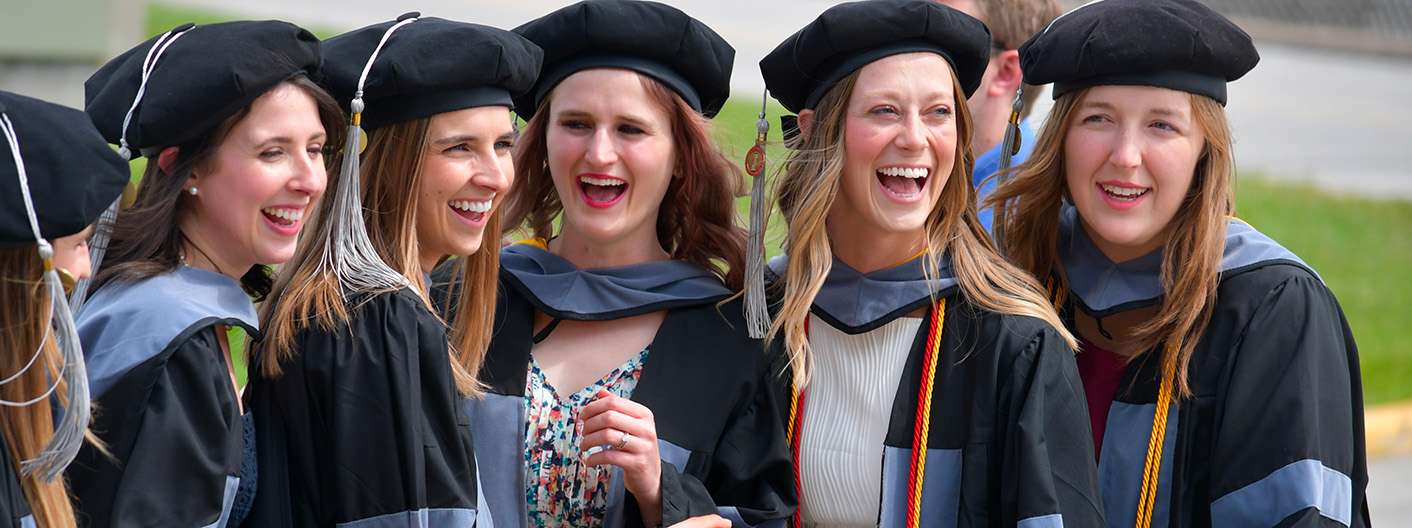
(1363, 250)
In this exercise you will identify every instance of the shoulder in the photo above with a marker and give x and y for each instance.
(1007, 337)
(1258, 285)
(126, 324)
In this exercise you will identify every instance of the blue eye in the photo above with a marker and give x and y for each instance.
(271, 154)
(1164, 126)
(504, 144)
(943, 111)
(883, 110)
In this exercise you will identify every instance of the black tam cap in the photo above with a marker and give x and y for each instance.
(848, 36)
(73, 174)
(195, 77)
(653, 39)
(1177, 44)
(429, 66)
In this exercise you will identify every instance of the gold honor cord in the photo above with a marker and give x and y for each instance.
(921, 427)
(1153, 465)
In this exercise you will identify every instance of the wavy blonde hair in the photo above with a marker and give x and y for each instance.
(1191, 255)
(391, 181)
(807, 190)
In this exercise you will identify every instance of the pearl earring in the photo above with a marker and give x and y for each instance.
(192, 191)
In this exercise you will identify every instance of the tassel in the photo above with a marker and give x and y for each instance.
(1008, 149)
(97, 248)
(348, 252)
(757, 315)
(63, 446)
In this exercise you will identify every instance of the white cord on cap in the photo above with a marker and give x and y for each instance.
(148, 66)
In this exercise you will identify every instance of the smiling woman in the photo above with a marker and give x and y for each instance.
(932, 382)
(358, 382)
(621, 392)
(235, 133)
(1221, 377)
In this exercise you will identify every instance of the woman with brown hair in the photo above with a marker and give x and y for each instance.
(620, 393)
(1221, 376)
(357, 386)
(234, 132)
(933, 384)
(57, 176)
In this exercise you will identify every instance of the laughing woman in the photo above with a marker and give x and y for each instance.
(934, 384)
(57, 176)
(357, 385)
(620, 394)
(234, 133)
(1221, 376)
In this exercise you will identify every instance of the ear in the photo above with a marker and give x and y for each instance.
(1007, 74)
(167, 159)
(806, 118)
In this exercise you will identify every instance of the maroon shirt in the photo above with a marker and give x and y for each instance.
(1101, 371)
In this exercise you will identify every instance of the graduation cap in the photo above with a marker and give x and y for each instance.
(1177, 44)
(427, 68)
(58, 175)
(398, 71)
(848, 36)
(181, 83)
(653, 39)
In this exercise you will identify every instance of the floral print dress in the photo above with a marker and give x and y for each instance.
(561, 489)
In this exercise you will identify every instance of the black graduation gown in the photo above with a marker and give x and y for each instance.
(1273, 435)
(1008, 442)
(365, 425)
(14, 508)
(708, 384)
(164, 403)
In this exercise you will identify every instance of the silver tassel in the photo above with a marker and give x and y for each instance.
(348, 253)
(61, 449)
(757, 315)
(1008, 149)
(97, 248)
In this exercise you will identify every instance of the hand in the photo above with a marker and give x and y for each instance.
(605, 422)
(709, 521)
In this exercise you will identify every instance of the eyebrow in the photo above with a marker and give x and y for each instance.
(632, 119)
(1161, 110)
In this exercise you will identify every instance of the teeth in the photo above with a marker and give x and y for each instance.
(1126, 192)
(292, 215)
(906, 172)
(605, 182)
(474, 207)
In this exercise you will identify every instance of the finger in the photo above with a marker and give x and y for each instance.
(609, 438)
(605, 401)
(621, 422)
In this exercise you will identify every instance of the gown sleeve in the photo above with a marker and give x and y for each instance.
(1288, 441)
(398, 444)
(175, 424)
(1049, 460)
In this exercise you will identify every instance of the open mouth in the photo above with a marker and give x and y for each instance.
(474, 211)
(905, 182)
(283, 217)
(602, 192)
(1124, 194)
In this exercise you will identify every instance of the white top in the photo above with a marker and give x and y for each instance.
(846, 408)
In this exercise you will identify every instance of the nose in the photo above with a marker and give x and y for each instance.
(913, 135)
(600, 150)
(1127, 151)
(495, 174)
(310, 177)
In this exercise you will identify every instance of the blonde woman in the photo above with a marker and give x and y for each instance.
(58, 175)
(934, 385)
(1221, 376)
(357, 385)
